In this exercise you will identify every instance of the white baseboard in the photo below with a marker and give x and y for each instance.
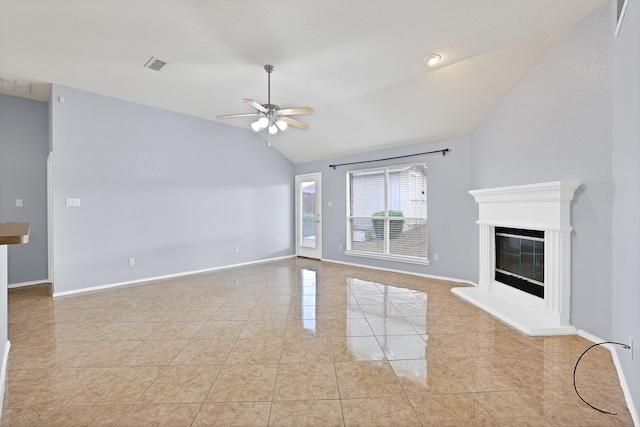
(167, 276)
(23, 284)
(594, 339)
(3, 373)
(410, 273)
(623, 381)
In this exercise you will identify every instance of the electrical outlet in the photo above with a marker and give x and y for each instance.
(73, 203)
(436, 257)
(19, 203)
(237, 248)
(631, 345)
(340, 247)
(132, 261)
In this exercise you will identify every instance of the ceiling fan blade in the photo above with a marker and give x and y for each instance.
(294, 122)
(255, 105)
(233, 116)
(294, 111)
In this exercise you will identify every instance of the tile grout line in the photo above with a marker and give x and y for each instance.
(275, 382)
(204, 400)
(335, 372)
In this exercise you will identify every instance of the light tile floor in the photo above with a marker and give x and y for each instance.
(291, 343)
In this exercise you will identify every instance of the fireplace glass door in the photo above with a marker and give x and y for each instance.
(520, 259)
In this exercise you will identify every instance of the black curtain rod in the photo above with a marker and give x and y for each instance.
(443, 151)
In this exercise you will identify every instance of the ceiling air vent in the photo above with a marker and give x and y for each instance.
(155, 64)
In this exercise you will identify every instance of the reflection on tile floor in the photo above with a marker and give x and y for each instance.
(291, 343)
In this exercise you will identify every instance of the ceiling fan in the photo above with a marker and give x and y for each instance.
(271, 116)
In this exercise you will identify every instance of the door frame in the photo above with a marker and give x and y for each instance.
(300, 250)
(50, 265)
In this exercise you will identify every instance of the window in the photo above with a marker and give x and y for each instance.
(387, 213)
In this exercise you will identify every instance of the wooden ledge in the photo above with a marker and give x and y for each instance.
(14, 233)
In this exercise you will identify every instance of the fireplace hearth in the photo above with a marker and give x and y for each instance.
(525, 236)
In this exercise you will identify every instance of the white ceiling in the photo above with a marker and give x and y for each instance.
(357, 63)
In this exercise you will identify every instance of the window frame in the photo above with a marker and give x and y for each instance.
(350, 217)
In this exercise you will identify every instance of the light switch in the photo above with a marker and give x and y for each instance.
(19, 203)
(329, 203)
(73, 203)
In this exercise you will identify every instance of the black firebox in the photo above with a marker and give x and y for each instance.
(520, 259)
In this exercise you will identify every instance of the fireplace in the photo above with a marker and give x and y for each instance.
(520, 259)
(525, 236)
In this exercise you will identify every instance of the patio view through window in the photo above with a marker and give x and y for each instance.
(387, 213)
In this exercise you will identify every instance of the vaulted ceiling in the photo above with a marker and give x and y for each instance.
(357, 63)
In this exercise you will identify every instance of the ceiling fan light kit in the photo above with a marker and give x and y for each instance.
(281, 125)
(271, 116)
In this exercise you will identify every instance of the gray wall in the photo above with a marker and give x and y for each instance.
(556, 125)
(451, 211)
(23, 175)
(626, 195)
(174, 192)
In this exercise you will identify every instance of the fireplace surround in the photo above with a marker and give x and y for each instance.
(544, 207)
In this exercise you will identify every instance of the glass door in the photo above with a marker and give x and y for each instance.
(308, 215)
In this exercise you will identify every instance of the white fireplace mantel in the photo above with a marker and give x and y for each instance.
(545, 207)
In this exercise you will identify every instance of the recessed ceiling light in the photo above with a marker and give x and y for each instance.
(432, 59)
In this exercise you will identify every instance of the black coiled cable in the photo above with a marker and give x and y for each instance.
(576, 367)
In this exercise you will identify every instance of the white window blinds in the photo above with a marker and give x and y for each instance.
(387, 213)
